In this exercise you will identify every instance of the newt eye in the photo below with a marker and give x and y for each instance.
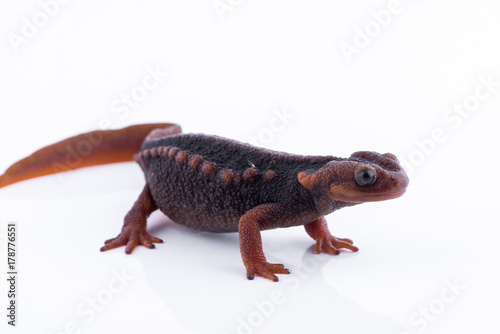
(365, 177)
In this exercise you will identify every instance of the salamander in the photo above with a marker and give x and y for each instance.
(215, 184)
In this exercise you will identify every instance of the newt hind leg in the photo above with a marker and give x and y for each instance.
(325, 242)
(133, 231)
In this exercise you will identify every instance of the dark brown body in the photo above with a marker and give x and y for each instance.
(208, 182)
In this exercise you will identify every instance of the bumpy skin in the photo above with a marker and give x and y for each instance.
(208, 182)
(215, 184)
(220, 185)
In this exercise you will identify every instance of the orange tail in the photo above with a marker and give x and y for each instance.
(88, 149)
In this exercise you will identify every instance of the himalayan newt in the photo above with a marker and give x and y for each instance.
(216, 184)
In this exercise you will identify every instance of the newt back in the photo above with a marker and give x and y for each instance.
(208, 182)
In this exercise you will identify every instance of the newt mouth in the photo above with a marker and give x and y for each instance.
(367, 197)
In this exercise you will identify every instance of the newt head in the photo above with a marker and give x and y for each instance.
(363, 177)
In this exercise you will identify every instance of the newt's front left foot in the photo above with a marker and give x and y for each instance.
(325, 242)
(131, 236)
(265, 269)
(332, 245)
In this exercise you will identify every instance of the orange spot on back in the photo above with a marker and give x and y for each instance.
(195, 161)
(249, 174)
(208, 168)
(166, 150)
(227, 175)
(270, 174)
(154, 152)
(173, 152)
(181, 157)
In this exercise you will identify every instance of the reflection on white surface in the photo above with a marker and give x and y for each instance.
(297, 303)
(207, 279)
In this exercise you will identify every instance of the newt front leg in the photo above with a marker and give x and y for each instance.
(133, 231)
(325, 242)
(251, 243)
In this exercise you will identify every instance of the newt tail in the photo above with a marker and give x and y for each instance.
(88, 149)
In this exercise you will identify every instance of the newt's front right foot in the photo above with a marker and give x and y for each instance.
(131, 237)
(264, 269)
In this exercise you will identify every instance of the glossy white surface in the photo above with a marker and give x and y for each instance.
(428, 262)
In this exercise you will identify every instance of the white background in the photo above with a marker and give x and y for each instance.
(228, 73)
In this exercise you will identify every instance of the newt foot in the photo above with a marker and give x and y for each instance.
(266, 270)
(131, 237)
(332, 245)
